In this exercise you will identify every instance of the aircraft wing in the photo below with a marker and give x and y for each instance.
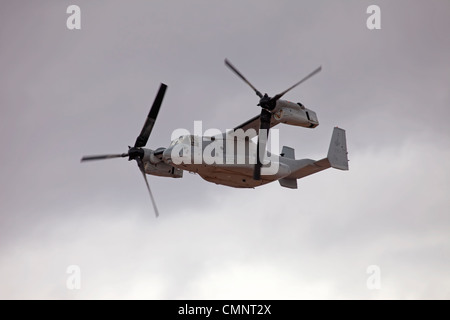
(253, 123)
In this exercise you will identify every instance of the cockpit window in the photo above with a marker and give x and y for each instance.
(175, 141)
(188, 140)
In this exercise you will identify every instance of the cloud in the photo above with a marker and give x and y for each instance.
(316, 242)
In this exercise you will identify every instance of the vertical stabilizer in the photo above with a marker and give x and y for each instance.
(337, 153)
(291, 183)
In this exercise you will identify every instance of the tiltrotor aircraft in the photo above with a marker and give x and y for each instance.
(241, 166)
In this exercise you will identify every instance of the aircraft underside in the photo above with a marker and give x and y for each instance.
(234, 180)
(242, 178)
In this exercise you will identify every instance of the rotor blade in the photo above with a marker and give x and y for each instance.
(141, 167)
(278, 96)
(233, 68)
(258, 165)
(142, 139)
(104, 156)
(262, 141)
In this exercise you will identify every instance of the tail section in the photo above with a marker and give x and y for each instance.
(336, 158)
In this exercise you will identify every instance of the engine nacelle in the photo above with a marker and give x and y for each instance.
(162, 169)
(295, 114)
(154, 165)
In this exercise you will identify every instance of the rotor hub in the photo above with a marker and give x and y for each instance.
(267, 102)
(134, 153)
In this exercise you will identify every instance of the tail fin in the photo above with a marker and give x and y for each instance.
(337, 153)
(291, 183)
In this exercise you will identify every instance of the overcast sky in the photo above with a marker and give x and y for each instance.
(66, 93)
